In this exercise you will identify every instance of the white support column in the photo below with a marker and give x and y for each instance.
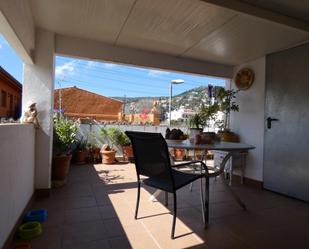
(38, 86)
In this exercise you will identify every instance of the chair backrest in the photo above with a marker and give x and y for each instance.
(151, 155)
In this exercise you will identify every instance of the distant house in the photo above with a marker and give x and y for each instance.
(79, 103)
(10, 96)
(182, 114)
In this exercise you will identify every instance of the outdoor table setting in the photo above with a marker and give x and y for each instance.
(225, 146)
(229, 147)
(153, 161)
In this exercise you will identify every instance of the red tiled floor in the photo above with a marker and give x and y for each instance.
(95, 210)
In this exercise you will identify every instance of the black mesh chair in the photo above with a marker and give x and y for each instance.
(152, 160)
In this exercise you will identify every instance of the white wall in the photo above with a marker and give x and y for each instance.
(249, 122)
(16, 173)
(17, 26)
(38, 86)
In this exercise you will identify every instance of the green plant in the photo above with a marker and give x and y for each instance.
(220, 124)
(92, 140)
(208, 112)
(64, 135)
(124, 140)
(81, 144)
(112, 136)
(205, 114)
(197, 121)
(178, 122)
(115, 136)
(226, 103)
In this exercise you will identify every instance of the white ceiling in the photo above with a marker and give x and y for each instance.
(185, 28)
(294, 8)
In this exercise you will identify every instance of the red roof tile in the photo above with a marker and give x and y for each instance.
(80, 103)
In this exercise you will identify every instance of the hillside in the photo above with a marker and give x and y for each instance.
(191, 99)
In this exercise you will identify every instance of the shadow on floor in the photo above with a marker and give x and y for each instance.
(96, 210)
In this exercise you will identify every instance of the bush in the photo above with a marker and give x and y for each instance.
(115, 136)
(65, 131)
(81, 144)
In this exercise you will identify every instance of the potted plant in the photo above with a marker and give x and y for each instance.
(179, 136)
(110, 135)
(94, 155)
(125, 143)
(209, 113)
(64, 136)
(196, 124)
(179, 154)
(226, 103)
(81, 151)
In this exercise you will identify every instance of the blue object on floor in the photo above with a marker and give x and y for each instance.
(39, 215)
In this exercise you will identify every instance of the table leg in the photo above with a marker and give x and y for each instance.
(243, 164)
(202, 200)
(205, 199)
(231, 172)
(236, 197)
(226, 184)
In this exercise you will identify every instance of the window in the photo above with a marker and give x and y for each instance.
(10, 103)
(3, 98)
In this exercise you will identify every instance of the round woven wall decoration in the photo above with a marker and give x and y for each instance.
(244, 78)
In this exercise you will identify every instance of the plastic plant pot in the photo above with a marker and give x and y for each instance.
(36, 215)
(29, 230)
(22, 246)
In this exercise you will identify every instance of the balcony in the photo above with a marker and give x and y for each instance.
(96, 210)
(207, 37)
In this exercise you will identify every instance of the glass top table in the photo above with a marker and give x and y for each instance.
(225, 146)
(229, 147)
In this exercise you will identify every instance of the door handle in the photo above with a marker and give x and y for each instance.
(269, 120)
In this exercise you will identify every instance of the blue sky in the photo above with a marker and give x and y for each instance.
(9, 60)
(107, 78)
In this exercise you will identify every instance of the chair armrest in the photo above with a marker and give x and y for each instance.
(184, 164)
(203, 165)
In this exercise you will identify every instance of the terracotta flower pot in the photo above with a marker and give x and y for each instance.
(94, 155)
(193, 134)
(128, 152)
(108, 156)
(97, 155)
(228, 136)
(24, 245)
(179, 154)
(207, 137)
(60, 167)
(97, 151)
(81, 156)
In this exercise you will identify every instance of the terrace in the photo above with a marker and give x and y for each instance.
(215, 38)
(96, 210)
